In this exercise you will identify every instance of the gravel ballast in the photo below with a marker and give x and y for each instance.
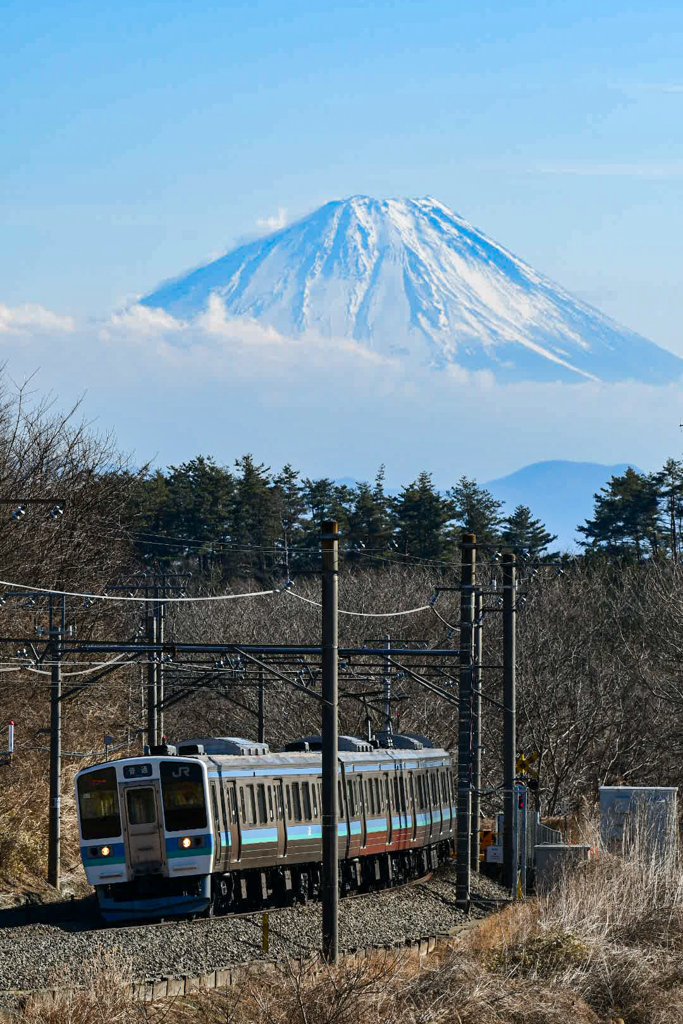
(38, 956)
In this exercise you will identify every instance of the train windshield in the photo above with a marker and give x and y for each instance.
(98, 803)
(182, 787)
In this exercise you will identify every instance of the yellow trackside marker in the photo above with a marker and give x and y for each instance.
(264, 920)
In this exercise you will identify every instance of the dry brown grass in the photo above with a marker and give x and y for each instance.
(606, 946)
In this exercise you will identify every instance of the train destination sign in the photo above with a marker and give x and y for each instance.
(137, 771)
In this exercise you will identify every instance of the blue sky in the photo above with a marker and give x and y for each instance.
(138, 139)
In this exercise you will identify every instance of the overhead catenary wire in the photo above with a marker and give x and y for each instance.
(82, 672)
(148, 600)
(362, 615)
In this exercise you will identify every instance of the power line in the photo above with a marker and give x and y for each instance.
(148, 600)
(362, 615)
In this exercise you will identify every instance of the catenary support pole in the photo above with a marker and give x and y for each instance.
(476, 712)
(330, 667)
(152, 683)
(509, 719)
(468, 547)
(54, 832)
(160, 609)
(261, 707)
(387, 725)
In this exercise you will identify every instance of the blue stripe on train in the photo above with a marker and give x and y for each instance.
(304, 831)
(205, 850)
(258, 835)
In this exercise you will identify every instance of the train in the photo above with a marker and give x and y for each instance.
(217, 824)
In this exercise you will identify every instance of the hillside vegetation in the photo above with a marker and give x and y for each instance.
(600, 686)
(605, 948)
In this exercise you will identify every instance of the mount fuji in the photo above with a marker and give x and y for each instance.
(410, 279)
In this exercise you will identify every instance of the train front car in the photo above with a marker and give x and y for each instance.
(145, 836)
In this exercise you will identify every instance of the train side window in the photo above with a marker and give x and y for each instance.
(442, 780)
(306, 800)
(387, 799)
(271, 814)
(289, 805)
(278, 801)
(350, 797)
(226, 819)
(214, 801)
(435, 795)
(378, 798)
(403, 794)
(261, 803)
(251, 806)
(296, 801)
(340, 799)
(371, 794)
(369, 809)
(397, 805)
(244, 812)
(314, 789)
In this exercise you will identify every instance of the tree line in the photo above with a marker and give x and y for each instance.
(249, 519)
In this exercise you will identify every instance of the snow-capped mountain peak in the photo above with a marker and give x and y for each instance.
(410, 278)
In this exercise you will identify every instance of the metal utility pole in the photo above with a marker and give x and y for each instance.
(54, 837)
(152, 683)
(330, 668)
(387, 726)
(468, 548)
(160, 613)
(476, 711)
(509, 719)
(261, 708)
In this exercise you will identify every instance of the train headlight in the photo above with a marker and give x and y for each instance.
(186, 843)
(105, 851)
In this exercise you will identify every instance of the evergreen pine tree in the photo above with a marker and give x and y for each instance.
(290, 503)
(256, 514)
(420, 514)
(669, 484)
(625, 517)
(476, 511)
(526, 536)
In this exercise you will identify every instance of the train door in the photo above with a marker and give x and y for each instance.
(429, 817)
(217, 829)
(362, 785)
(387, 801)
(233, 836)
(143, 827)
(279, 793)
(413, 803)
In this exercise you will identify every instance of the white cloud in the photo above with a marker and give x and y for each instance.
(31, 318)
(331, 405)
(274, 222)
(137, 320)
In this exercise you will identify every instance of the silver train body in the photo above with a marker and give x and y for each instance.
(188, 833)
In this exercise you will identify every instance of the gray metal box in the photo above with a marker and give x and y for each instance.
(553, 859)
(647, 815)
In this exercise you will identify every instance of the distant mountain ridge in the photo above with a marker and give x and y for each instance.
(411, 279)
(558, 492)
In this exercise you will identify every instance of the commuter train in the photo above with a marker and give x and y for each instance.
(219, 824)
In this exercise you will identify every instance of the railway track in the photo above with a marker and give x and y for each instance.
(33, 956)
(100, 926)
